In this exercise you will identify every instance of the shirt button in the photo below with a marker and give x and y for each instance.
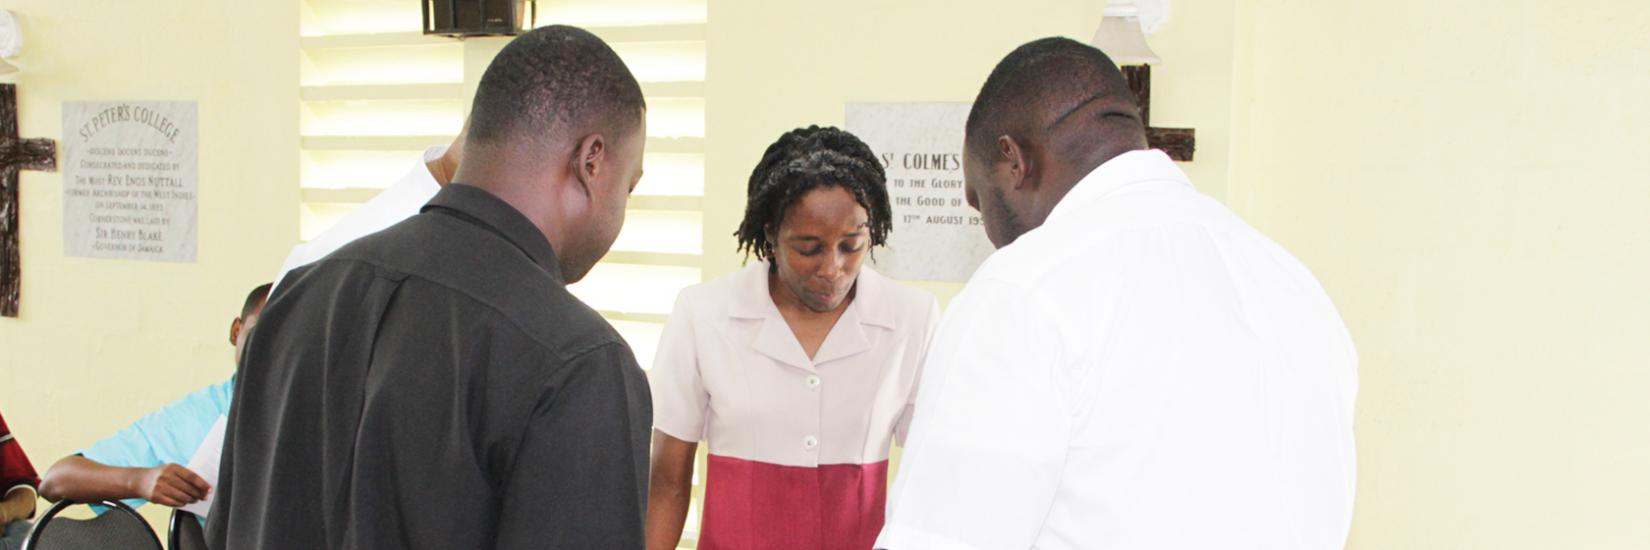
(813, 382)
(810, 442)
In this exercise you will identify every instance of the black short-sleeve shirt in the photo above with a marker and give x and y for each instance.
(434, 385)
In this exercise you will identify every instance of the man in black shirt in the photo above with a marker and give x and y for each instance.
(435, 385)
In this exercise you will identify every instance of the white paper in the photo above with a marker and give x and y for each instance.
(205, 464)
(937, 236)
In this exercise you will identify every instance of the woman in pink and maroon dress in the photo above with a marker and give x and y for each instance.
(798, 370)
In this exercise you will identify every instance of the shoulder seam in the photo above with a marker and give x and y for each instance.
(606, 338)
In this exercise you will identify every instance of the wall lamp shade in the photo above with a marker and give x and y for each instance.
(1122, 32)
(1122, 40)
(11, 40)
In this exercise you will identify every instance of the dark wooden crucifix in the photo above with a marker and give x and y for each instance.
(1179, 143)
(15, 154)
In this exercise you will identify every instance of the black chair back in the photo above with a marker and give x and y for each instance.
(185, 532)
(119, 528)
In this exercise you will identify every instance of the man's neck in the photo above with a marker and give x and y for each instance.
(1063, 177)
(442, 169)
(515, 186)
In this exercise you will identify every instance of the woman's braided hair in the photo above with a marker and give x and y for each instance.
(805, 159)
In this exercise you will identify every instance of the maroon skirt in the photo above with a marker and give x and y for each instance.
(761, 506)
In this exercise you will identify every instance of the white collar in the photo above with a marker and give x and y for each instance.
(1121, 171)
(870, 307)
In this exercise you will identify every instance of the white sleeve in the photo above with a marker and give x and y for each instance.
(902, 428)
(679, 396)
(990, 435)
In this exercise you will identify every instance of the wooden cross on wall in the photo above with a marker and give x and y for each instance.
(1179, 143)
(15, 154)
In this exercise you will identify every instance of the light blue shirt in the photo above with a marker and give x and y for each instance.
(167, 436)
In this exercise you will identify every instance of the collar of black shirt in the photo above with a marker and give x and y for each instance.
(477, 206)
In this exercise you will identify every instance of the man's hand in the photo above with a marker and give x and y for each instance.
(171, 485)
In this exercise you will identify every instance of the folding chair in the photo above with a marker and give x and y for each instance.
(119, 528)
(185, 532)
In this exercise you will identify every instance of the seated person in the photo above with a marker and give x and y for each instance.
(144, 461)
(17, 483)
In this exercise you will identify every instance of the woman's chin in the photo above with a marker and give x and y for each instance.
(823, 303)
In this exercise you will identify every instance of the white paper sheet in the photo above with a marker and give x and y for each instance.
(205, 464)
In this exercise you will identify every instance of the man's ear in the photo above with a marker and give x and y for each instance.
(590, 162)
(1015, 163)
(234, 330)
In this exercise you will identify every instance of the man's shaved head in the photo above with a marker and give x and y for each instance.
(558, 131)
(255, 300)
(1049, 113)
(554, 82)
(251, 309)
(1043, 84)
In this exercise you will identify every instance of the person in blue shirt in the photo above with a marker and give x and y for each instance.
(144, 462)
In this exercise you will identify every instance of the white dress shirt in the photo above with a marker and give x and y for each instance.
(395, 203)
(1144, 370)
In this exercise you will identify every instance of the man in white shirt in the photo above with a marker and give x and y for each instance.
(395, 203)
(1135, 367)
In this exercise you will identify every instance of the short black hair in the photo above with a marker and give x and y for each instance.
(255, 300)
(805, 159)
(1038, 84)
(552, 80)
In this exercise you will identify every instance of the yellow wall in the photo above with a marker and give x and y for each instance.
(101, 342)
(1468, 181)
